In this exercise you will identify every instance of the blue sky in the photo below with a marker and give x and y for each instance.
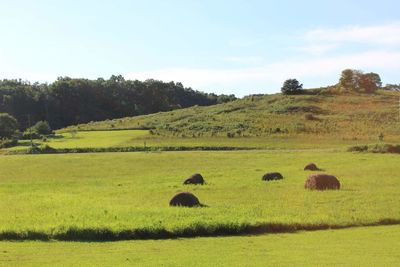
(240, 47)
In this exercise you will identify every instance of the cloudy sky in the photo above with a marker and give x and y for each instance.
(239, 47)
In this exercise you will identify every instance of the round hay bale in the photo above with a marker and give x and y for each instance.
(194, 179)
(311, 167)
(322, 182)
(272, 176)
(185, 199)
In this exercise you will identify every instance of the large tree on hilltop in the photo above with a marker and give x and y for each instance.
(357, 81)
(291, 87)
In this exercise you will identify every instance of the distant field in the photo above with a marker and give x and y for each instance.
(370, 246)
(142, 138)
(126, 195)
(90, 139)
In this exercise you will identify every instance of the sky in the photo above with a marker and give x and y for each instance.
(231, 47)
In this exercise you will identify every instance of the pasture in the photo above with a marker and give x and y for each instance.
(369, 246)
(120, 139)
(114, 196)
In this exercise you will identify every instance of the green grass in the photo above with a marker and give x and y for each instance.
(94, 139)
(370, 246)
(138, 139)
(125, 195)
(349, 116)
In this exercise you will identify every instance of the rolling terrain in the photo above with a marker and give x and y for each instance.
(335, 116)
(49, 200)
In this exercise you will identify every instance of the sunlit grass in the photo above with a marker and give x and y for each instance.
(369, 246)
(116, 192)
(348, 116)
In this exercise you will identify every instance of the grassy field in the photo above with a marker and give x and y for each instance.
(370, 246)
(142, 138)
(125, 195)
(92, 139)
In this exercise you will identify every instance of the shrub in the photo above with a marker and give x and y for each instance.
(41, 128)
(30, 134)
(43, 149)
(4, 143)
(378, 148)
(8, 125)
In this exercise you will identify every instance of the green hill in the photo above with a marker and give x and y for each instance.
(345, 116)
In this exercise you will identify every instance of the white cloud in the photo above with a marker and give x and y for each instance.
(274, 73)
(388, 34)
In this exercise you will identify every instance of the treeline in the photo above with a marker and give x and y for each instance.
(70, 101)
(351, 80)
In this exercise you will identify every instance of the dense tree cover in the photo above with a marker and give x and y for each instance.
(70, 101)
(357, 81)
(292, 87)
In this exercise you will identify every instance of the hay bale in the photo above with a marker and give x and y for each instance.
(311, 167)
(194, 179)
(322, 182)
(185, 199)
(272, 176)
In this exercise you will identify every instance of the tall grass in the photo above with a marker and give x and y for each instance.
(351, 116)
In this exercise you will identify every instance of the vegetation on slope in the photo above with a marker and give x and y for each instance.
(347, 116)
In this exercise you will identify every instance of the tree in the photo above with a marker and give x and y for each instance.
(357, 81)
(346, 81)
(370, 82)
(70, 101)
(291, 87)
(42, 128)
(8, 125)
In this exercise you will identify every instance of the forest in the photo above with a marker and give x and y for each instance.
(70, 101)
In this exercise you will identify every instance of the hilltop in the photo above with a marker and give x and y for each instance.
(348, 116)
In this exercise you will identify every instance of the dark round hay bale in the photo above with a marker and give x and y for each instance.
(194, 179)
(322, 182)
(311, 167)
(272, 176)
(185, 199)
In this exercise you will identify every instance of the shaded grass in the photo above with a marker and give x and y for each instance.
(45, 149)
(196, 230)
(376, 148)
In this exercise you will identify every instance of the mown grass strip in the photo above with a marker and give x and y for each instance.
(197, 230)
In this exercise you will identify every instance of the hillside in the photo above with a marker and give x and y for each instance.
(347, 116)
